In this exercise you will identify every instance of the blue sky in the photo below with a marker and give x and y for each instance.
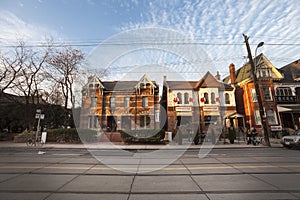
(219, 24)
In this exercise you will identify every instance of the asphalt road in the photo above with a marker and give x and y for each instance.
(238, 173)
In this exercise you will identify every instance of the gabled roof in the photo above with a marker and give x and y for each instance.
(94, 81)
(144, 81)
(291, 72)
(181, 85)
(209, 81)
(120, 85)
(244, 73)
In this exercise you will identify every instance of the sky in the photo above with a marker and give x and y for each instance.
(216, 26)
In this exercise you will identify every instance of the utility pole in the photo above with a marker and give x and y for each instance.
(258, 94)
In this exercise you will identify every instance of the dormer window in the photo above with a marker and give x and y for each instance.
(264, 72)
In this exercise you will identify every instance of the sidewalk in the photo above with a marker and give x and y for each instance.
(238, 144)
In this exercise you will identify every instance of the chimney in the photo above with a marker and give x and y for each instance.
(218, 76)
(232, 73)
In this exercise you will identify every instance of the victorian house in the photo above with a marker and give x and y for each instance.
(120, 105)
(287, 95)
(246, 100)
(204, 102)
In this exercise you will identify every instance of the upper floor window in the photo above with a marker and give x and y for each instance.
(253, 94)
(257, 117)
(206, 98)
(213, 98)
(227, 98)
(112, 102)
(272, 119)
(179, 97)
(93, 102)
(126, 102)
(264, 72)
(283, 91)
(186, 98)
(145, 101)
(267, 93)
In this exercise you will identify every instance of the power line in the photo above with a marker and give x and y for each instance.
(144, 43)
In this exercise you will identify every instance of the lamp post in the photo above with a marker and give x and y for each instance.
(257, 90)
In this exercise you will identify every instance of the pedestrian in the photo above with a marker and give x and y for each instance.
(249, 136)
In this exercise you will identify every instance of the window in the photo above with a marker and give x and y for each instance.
(93, 102)
(267, 94)
(254, 97)
(213, 98)
(272, 119)
(257, 117)
(145, 121)
(126, 102)
(227, 98)
(179, 96)
(264, 73)
(206, 98)
(186, 98)
(145, 101)
(157, 116)
(112, 102)
(283, 91)
(92, 121)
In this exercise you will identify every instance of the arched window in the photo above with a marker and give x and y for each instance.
(227, 98)
(206, 98)
(179, 96)
(213, 98)
(186, 98)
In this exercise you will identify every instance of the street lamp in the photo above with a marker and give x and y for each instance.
(257, 90)
(256, 61)
(259, 45)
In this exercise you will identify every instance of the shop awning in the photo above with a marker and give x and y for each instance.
(234, 115)
(283, 109)
(289, 108)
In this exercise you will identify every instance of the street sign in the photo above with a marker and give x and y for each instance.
(40, 116)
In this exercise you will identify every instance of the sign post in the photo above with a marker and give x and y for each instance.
(38, 116)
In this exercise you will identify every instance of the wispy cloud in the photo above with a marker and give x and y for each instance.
(14, 29)
(224, 21)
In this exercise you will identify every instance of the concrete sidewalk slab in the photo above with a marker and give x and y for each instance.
(35, 182)
(251, 196)
(99, 184)
(235, 182)
(164, 184)
(80, 196)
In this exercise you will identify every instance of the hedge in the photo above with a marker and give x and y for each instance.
(71, 135)
(153, 136)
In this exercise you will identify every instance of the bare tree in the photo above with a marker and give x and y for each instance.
(11, 65)
(65, 64)
(29, 83)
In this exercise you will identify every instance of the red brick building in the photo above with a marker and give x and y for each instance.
(245, 96)
(120, 105)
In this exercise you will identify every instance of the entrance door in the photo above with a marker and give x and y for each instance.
(111, 124)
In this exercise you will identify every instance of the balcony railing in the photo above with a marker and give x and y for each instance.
(287, 99)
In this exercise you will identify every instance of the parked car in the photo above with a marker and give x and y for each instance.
(290, 141)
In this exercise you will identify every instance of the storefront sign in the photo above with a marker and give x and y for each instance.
(211, 109)
(183, 109)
